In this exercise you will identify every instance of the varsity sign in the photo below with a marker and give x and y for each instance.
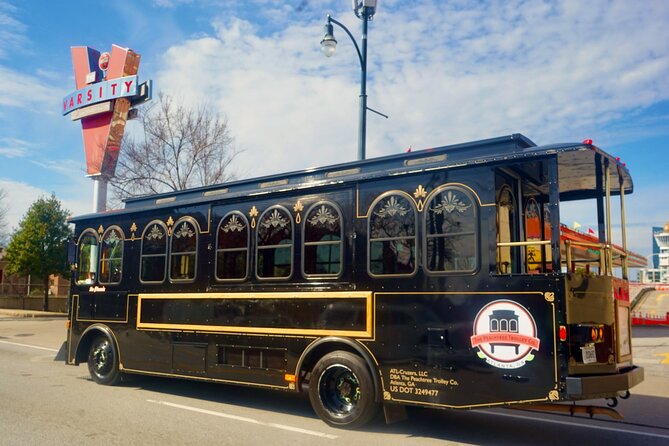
(106, 83)
(100, 92)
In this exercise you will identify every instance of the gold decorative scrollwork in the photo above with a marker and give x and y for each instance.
(170, 223)
(253, 214)
(298, 208)
(420, 195)
(386, 395)
(553, 395)
(549, 296)
(133, 229)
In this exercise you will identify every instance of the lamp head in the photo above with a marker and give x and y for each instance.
(329, 43)
(364, 8)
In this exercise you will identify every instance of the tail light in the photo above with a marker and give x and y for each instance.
(563, 333)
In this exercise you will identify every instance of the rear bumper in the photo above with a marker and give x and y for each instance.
(603, 385)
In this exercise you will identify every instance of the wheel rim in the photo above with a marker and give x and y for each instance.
(339, 390)
(103, 358)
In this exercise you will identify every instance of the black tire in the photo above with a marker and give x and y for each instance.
(341, 390)
(103, 361)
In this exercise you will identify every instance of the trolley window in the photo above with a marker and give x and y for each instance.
(111, 256)
(392, 236)
(87, 268)
(274, 254)
(323, 241)
(451, 231)
(154, 253)
(183, 251)
(232, 246)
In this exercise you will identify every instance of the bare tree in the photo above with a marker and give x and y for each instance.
(181, 147)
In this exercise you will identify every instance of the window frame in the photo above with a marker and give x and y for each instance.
(97, 257)
(340, 241)
(473, 199)
(100, 259)
(292, 244)
(165, 255)
(414, 209)
(196, 227)
(247, 249)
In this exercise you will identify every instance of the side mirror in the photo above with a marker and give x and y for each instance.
(71, 254)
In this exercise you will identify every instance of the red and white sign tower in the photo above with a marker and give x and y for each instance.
(106, 89)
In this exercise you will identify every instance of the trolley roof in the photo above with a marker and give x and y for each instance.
(576, 171)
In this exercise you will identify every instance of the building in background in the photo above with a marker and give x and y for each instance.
(656, 248)
(659, 273)
(15, 285)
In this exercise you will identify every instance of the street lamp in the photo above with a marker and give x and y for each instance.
(364, 10)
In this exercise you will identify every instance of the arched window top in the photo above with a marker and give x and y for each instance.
(184, 235)
(506, 198)
(393, 215)
(454, 209)
(112, 235)
(154, 238)
(233, 231)
(275, 227)
(322, 222)
(86, 234)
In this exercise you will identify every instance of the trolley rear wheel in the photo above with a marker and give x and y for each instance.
(341, 390)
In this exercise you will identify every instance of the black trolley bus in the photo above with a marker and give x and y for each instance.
(438, 278)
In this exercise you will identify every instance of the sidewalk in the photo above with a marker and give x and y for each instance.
(29, 313)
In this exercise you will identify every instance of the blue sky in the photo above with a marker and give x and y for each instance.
(445, 72)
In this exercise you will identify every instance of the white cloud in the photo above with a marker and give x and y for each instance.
(12, 31)
(28, 92)
(444, 73)
(20, 195)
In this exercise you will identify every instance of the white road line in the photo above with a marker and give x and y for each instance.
(246, 420)
(571, 423)
(30, 346)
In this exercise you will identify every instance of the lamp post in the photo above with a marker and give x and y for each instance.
(364, 10)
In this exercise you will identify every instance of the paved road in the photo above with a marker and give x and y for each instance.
(47, 402)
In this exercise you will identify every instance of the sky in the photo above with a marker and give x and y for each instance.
(443, 71)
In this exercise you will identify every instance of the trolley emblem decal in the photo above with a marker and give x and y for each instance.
(505, 334)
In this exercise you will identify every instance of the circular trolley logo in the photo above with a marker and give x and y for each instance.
(505, 334)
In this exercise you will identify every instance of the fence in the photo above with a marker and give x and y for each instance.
(642, 318)
(30, 296)
(22, 289)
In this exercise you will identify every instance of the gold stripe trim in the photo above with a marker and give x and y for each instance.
(367, 295)
(203, 378)
(109, 321)
(449, 406)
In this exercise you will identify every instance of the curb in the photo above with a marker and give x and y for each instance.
(29, 313)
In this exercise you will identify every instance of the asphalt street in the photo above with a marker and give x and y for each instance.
(46, 402)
